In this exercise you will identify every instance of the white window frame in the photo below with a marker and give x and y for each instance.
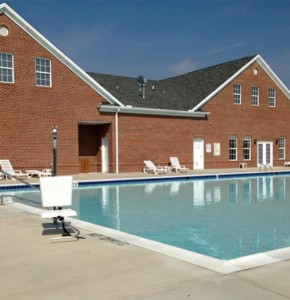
(6, 67)
(247, 140)
(237, 91)
(272, 97)
(233, 148)
(255, 96)
(282, 147)
(43, 72)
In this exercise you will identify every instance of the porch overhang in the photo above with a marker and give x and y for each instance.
(151, 111)
(93, 122)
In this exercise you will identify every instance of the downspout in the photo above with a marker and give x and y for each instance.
(117, 139)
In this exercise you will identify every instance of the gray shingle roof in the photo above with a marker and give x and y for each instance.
(176, 93)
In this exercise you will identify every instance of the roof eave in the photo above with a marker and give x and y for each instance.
(151, 111)
(7, 10)
(273, 76)
(205, 100)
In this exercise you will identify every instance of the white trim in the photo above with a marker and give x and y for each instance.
(5, 9)
(273, 76)
(151, 111)
(265, 67)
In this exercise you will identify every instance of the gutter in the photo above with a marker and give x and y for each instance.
(151, 111)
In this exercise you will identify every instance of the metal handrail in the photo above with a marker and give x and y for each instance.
(266, 167)
(21, 180)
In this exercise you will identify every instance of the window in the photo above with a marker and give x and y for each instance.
(233, 148)
(247, 148)
(43, 72)
(237, 94)
(272, 97)
(281, 146)
(6, 67)
(255, 96)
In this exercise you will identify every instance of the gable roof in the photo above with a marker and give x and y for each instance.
(183, 95)
(177, 93)
(7, 10)
(187, 92)
(266, 68)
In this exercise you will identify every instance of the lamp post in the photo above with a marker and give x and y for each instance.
(54, 151)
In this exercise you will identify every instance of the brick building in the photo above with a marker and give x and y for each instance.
(218, 117)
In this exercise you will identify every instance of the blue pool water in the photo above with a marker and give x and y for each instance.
(224, 219)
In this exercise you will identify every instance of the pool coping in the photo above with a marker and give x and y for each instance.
(177, 177)
(200, 260)
(214, 264)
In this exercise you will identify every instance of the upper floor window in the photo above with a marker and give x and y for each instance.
(281, 146)
(233, 151)
(237, 94)
(43, 72)
(272, 97)
(6, 67)
(255, 96)
(247, 148)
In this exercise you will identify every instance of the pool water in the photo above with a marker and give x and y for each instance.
(224, 219)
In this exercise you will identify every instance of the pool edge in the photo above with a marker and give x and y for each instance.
(200, 260)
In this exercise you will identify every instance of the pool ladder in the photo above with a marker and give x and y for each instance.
(265, 167)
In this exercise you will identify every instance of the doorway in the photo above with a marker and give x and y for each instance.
(265, 153)
(198, 154)
(94, 147)
(105, 154)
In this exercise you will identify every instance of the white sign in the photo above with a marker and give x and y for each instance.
(217, 149)
(208, 148)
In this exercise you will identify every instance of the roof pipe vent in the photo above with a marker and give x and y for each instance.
(141, 81)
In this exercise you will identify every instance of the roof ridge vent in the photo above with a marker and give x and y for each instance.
(141, 81)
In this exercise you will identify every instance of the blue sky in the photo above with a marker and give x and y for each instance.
(163, 38)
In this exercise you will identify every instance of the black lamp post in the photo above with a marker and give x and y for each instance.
(54, 149)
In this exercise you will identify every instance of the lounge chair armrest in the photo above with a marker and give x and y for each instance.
(18, 172)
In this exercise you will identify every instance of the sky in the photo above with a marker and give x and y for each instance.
(162, 38)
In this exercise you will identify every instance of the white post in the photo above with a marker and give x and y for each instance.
(117, 140)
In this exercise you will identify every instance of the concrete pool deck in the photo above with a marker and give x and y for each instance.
(102, 268)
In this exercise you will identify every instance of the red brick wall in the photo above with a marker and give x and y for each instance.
(158, 138)
(28, 112)
(261, 123)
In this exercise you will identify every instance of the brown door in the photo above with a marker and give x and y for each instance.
(85, 165)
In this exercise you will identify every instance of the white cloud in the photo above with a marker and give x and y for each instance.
(184, 66)
(223, 49)
(80, 41)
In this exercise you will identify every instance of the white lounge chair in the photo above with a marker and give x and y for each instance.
(43, 173)
(176, 165)
(151, 168)
(8, 170)
(56, 192)
(287, 164)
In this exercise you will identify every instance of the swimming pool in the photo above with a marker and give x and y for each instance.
(224, 219)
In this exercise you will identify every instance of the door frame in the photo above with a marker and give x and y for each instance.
(264, 153)
(198, 154)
